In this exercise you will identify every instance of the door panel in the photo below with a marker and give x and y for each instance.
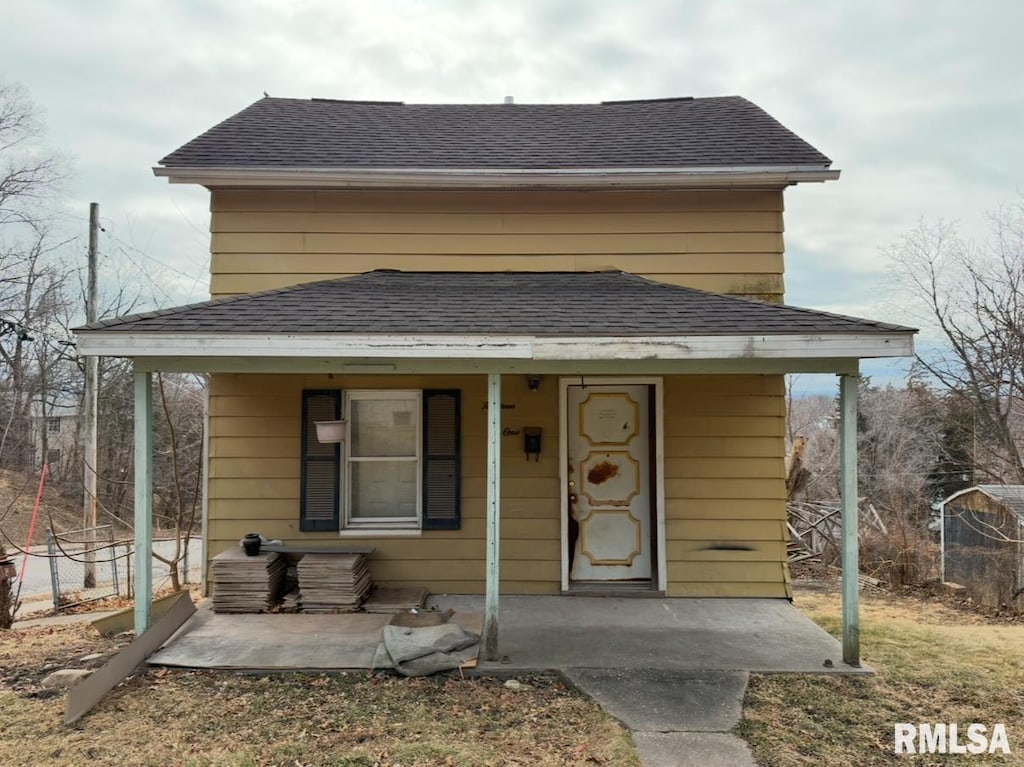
(609, 483)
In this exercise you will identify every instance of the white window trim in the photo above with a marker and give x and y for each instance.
(378, 525)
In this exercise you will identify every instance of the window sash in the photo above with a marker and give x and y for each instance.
(349, 520)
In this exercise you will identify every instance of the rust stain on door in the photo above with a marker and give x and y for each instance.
(602, 472)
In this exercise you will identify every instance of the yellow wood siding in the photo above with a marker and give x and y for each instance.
(724, 483)
(254, 481)
(729, 240)
(725, 495)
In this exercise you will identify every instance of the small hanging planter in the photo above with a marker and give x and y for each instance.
(331, 431)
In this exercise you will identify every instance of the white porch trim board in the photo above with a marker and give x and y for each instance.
(848, 497)
(339, 365)
(143, 500)
(493, 543)
(113, 343)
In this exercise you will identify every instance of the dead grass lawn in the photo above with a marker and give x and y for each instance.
(933, 664)
(213, 718)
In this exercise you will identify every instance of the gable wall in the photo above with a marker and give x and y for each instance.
(727, 241)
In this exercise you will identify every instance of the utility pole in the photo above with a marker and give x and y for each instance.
(89, 408)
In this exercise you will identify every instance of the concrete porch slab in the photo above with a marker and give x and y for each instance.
(280, 641)
(218, 640)
(757, 635)
(536, 633)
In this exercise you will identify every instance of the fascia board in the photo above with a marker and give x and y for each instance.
(502, 178)
(323, 345)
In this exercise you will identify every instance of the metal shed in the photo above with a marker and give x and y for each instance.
(983, 543)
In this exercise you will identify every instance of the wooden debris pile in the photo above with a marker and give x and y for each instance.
(815, 529)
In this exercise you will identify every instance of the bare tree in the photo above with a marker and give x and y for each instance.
(29, 172)
(36, 364)
(972, 297)
(178, 471)
(31, 283)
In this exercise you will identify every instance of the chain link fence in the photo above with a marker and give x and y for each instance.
(72, 553)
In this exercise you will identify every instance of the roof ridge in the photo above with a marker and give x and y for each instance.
(355, 101)
(648, 101)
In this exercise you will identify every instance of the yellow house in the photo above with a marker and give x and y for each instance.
(551, 339)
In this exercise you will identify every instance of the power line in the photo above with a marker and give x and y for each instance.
(126, 247)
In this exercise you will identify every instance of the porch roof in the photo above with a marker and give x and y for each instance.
(608, 315)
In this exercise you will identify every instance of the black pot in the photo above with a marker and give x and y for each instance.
(251, 543)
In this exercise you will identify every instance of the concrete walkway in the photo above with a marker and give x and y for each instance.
(677, 718)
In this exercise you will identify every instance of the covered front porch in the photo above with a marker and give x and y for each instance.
(493, 327)
(537, 633)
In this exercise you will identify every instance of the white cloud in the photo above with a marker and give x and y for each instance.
(920, 103)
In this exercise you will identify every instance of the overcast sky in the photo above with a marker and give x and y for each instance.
(919, 103)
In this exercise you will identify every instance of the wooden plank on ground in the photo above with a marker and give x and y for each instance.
(124, 620)
(91, 690)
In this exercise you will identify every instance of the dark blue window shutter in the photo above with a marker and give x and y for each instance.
(442, 436)
(321, 463)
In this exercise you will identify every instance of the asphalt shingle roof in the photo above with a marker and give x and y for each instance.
(663, 133)
(504, 303)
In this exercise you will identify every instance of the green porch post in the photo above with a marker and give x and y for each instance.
(143, 500)
(848, 496)
(493, 515)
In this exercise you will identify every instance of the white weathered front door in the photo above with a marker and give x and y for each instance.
(609, 483)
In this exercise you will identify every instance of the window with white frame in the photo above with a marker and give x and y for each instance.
(382, 471)
(53, 425)
(397, 467)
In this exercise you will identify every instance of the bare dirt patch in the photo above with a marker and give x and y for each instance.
(173, 717)
(27, 656)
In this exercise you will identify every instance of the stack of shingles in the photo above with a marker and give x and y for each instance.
(290, 600)
(333, 583)
(245, 584)
(395, 600)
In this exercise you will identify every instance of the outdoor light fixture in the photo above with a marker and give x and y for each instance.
(533, 382)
